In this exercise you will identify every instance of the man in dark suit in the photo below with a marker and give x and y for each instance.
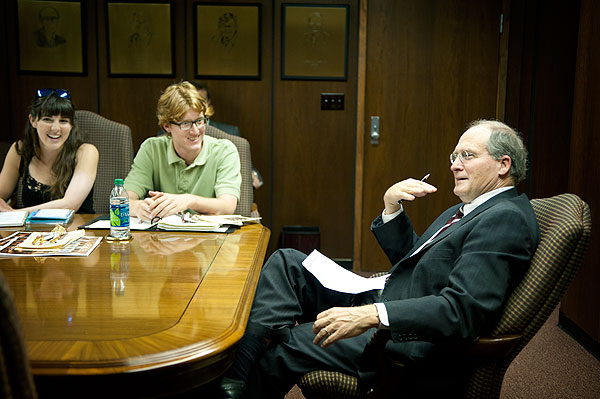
(445, 288)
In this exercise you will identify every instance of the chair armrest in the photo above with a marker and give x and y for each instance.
(495, 347)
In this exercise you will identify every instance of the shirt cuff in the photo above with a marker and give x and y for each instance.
(384, 321)
(386, 218)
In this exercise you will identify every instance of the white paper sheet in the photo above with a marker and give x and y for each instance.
(134, 224)
(336, 278)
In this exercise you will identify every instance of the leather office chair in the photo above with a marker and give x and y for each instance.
(16, 380)
(115, 148)
(244, 206)
(565, 227)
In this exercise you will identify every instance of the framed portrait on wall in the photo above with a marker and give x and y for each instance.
(140, 39)
(51, 37)
(314, 42)
(227, 40)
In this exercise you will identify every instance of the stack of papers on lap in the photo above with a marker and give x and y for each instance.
(13, 218)
(50, 216)
(335, 277)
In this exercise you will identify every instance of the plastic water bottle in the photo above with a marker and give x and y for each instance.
(119, 211)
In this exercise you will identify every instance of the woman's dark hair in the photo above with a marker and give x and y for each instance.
(64, 165)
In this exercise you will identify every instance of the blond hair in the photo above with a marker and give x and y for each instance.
(176, 100)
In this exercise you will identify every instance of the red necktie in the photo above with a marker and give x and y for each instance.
(455, 218)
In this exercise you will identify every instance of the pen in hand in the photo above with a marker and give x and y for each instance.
(423, 179)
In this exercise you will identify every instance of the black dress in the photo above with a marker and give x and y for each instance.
(34, 193)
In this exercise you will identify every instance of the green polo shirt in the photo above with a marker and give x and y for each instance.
(157, 167)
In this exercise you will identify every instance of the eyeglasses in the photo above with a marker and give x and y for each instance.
(187, 125)
(62, 93)
(463, 156)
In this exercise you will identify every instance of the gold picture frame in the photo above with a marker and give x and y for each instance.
(314, 44)
(51, 37)
(227, 40)
(140, 39)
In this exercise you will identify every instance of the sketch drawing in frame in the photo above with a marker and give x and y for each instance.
(51, 37)
(140, 39)
(314, 43)
(227, 40)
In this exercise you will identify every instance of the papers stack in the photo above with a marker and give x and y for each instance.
(213, 223)
(13, 218)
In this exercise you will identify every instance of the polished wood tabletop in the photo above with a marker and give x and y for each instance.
(160, 313)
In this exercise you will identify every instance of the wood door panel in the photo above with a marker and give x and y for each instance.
(314, 150)
(432, 67)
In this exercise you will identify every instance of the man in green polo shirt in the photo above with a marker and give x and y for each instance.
(184, 169)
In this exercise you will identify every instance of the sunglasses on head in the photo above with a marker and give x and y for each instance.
(62, 93)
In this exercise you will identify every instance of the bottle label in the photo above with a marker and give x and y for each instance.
(119, 215)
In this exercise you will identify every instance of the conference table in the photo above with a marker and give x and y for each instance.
(160, 314)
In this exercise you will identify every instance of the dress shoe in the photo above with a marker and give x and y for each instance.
(229, 389)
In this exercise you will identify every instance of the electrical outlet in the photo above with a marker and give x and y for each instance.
(332, 101)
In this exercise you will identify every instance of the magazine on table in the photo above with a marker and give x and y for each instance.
(43, 244)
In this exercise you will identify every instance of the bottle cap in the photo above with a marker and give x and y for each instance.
(118, 181)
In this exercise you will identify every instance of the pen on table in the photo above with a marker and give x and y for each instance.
(423, 179)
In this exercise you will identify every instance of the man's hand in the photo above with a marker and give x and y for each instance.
(165, 204)
(142, 208)
(339, 323)
(406, 190)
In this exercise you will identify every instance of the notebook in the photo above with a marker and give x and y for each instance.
(50, 216)
(13, 218)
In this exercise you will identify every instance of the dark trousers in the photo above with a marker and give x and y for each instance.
(287, 301)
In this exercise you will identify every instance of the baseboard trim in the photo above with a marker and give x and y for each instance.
(577, 333)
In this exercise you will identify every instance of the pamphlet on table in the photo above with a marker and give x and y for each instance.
(43, 244)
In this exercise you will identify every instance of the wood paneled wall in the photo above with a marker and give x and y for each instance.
(552, 97)
(288, 133)
(83, 89)
(581, 303)
(313, 150)
(432, 67)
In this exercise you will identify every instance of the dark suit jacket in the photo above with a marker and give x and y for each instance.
(227, 128)
(453, 289)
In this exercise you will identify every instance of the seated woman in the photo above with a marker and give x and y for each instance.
(183, 169)
(51, 167)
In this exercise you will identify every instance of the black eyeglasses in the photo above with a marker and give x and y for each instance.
(187, 125)
(62, 93)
